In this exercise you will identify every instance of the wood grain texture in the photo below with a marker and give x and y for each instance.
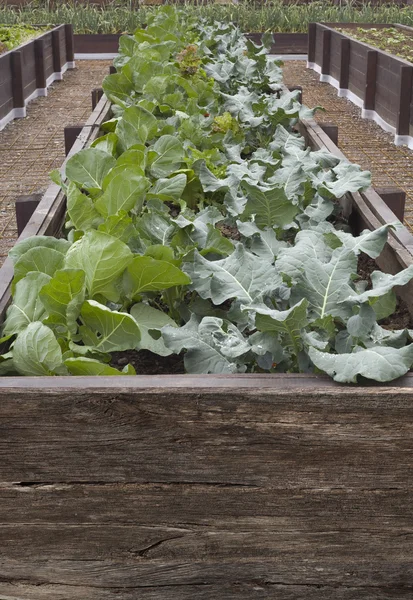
(203, 493)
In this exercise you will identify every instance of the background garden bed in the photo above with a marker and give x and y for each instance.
(284, 43)
(27, 71)
(378, 82)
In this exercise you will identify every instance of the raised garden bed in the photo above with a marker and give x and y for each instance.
(27, 71)
(90, 44)
(205, 487)
(376, 81)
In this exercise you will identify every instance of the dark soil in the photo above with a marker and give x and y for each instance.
(228, 231)
(148, 363)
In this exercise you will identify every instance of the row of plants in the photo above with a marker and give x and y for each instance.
(390, 39)
(200, 223)
(276, 16)
(12, 36)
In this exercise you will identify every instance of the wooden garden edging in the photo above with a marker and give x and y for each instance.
(108, 43)
(27, 71)
(379, 83)
(205, 487)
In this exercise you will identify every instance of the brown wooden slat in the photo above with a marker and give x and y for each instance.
(405, 98)
(253, 590)
(370, 87)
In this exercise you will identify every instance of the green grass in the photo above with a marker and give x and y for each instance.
(120, 16)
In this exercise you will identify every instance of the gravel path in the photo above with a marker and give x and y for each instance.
(30, 148)
(362, 141)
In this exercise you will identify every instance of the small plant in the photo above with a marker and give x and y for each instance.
(13, 36)
(388, 39)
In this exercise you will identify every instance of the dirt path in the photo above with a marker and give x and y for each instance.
(362, 141)
(30, 148)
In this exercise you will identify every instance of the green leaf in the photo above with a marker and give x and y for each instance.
(119, 226)
(211, 348)
(103, 258)
(271, 208)
(38, 241)
(90, 366)
(216, 243)
(166, 156)
(309, 246)
(242, 275)
(27, 306)
(168, 189)
(378, 363)
(286, 323)
(36, 351)
(146, 274)
(151, 320)
(136, 126)
(89, 167)
(349, 178)
(107, 330)
(382, 283)
(369, 242)
(40, 259)
(81, 210)
(63, 297)
(327, 285)
(107, 143)
(125, 191)
(117, 88)
(385, 305)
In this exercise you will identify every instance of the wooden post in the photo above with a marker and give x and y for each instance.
(344, 63)
(39, 64)
(312, 35)
(17, 82)
(370, 89)
(57, 63)
(70, 45)
(25, 207)
(97, 94)
(331, 130)
(395, 199)
(405, 97)
(71, 132)
(325, 65)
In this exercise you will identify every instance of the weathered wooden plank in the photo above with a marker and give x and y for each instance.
(271, 438)
(139, 573)
(199, 506)
(253, 590)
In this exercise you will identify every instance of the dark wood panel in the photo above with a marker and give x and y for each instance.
(5, 67)
(29, 69)
(62, 46)
(6, 97)
(335, 59)
(96, 44)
